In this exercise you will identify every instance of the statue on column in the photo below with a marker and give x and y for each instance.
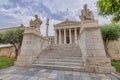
(86, 14)
(36, 23)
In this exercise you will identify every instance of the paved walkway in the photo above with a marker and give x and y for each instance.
(17, 73)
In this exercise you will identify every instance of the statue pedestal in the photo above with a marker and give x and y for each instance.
(32, 46)
(93, 51)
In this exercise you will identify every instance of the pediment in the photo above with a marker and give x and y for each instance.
(67, 22)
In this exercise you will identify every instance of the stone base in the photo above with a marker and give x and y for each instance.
(24, 60)
(99, 65)
(33, 44)
(100, 69)
(98, 61)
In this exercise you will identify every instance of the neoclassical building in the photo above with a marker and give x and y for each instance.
(67, 32)
(75, 46)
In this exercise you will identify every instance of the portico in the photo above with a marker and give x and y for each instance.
(67, 32)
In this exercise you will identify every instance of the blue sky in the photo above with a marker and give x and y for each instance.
(16, 12)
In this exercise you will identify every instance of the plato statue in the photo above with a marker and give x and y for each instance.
(36, 23)
(86, 14)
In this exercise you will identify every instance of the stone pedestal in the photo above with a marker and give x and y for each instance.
(96, 60)
(32, 46)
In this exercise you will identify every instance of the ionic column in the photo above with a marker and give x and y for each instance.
(70, 36)
(55, 37)
(59, 36)
(75, 35)
(64, 36)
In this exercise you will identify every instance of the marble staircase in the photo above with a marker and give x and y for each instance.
(64, 56)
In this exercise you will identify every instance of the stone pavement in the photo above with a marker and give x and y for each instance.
(17, 73)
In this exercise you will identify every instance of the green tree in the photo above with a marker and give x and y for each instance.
(109, 8)
(110, 33)
(13, 37)
(1, 38)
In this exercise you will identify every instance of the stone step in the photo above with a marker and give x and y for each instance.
(63, 48)
(59, 67)
(79, 55)
(60, 60)
(63, 52)
(57, 57)
(66, 54)
(65, 57)
(59, 63)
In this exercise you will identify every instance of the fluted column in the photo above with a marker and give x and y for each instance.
(64, 36)
(75, 35)
(70, 36)
(59, 36)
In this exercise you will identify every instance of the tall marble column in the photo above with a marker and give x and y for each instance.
(47, 24)
(70, 36)
(55, 36)
(75, 35)
(64, 36)
(59, 36)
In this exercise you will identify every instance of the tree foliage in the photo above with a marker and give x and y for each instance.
(109, 8)
(1, 38)
(110, 33)
(13, 37)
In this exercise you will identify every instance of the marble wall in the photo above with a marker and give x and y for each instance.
(33, 44)
(8, 52)
(114, 50)
(93, 49)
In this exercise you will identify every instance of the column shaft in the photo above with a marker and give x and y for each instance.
(64, 36)
(59, 36)
(75, 35)
(55, 36)
(70, 36)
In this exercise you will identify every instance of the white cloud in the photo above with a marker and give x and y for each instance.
(53, 9)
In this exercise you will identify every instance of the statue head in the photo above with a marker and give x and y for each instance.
(47, 20)
(36, 16)
(85, 6)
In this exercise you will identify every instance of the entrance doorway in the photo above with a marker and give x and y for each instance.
(68, 40)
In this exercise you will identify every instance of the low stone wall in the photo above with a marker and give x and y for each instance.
(114, 50)
(7, 51)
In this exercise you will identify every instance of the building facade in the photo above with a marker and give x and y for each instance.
(67, 32)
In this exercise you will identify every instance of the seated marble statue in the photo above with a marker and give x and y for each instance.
(86, 14)
(35, 24)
